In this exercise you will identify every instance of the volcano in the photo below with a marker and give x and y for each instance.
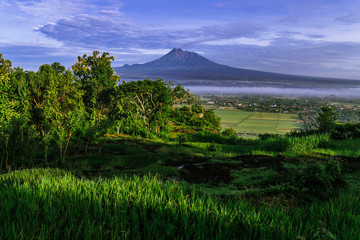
(193, 69)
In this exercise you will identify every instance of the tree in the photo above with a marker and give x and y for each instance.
(97, 80)
(56, 105)
(326, 120)
(146, 101)
(196, 117)
(24, 136)
(7, 112)
(229, 132)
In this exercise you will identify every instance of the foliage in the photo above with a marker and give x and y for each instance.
(294, 144)
(316, 179)
(45, 203)
(148, 102)
(229, 132)
(97, 78)
(326, 120)
(346, 131)
(196, 117)
(275, 144)
(56, 105)
(7, 113)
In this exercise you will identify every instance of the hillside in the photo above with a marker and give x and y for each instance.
(194, 69)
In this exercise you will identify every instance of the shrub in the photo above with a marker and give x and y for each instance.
(229, 132)
(315, 179)
(346, 131)
(275, 144)
(213, 147)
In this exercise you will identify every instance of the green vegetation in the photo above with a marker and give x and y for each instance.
(54, 109)
(259, 122)
(83, 157)
(55, 204)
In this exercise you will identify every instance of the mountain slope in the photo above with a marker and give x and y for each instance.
(180, 65)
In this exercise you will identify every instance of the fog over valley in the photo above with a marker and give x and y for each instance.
(277, 91)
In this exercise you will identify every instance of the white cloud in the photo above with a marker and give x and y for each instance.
(242, 40)
(50, 10)
(349, 19)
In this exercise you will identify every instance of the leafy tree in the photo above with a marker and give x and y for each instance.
(180, 95)
(148, 101)
(326, 120)
(56, 105)
(97, 81)
(196, 117)
(229, 132)
(7, 112)
(15, 134)
(97, 78)
(58, 67)
(24, 135)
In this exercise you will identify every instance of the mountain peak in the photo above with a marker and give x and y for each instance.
(178, 53)
(177, 50)
(180, 58)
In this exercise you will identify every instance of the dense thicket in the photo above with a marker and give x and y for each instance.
(54, 108)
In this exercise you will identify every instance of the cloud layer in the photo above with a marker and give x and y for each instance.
(113, 30)
(319, 38)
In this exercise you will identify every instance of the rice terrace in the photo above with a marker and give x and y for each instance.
(259, 122)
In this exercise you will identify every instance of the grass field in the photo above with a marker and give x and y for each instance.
(207, 188)
(54, 204)
(257, 122)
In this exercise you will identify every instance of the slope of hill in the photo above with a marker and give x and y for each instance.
(193, 69)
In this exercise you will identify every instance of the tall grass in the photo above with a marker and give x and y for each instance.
(53, 204)
(303, 144)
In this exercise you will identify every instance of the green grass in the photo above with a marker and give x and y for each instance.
(258, 122)
(249, 177)
(130, 191)
(310, 145)
(53, 204)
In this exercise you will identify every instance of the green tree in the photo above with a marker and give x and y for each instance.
(97, 81)
(148, 102)
(7, 113)
(24, 136)
(326, 120)
(56, 106)
(229, 132)
(15, 134)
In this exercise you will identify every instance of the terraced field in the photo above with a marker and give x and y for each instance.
(257, 122)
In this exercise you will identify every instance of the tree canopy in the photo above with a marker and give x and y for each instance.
(326, 120)
(54, 108)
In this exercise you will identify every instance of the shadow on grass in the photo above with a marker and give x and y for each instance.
(54, 205)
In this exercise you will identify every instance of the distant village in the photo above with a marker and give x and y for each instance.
(348, 110)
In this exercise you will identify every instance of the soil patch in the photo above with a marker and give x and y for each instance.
(201, 170)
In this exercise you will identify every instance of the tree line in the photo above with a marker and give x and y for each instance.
(54, 108)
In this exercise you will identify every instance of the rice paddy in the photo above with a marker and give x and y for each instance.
(54, 204)
(258, 122)
(208, 188)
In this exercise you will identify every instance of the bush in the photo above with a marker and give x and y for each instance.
(308, 143)
(213, 147)
(315, 179)
(275, 144)
(229, 132)
(346, 131)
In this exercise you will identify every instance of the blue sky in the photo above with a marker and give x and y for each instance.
(307, 37)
